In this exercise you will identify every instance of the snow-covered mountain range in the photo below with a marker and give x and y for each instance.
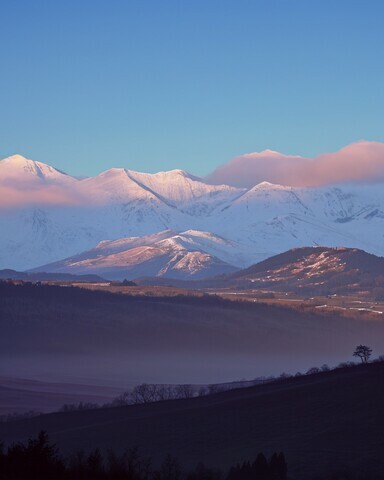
(46, 216)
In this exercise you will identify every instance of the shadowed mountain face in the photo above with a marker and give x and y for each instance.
(324, 423)
(316, 270)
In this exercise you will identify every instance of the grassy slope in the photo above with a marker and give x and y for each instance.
(320, 421)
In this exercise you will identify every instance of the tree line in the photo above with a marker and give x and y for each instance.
(149, 393)
(39, 459)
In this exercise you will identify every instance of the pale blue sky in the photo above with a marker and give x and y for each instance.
(153, 85)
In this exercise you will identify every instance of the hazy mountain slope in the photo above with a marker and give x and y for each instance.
(165, 254)
(46, 215)
(274, 218)
(315, 270)
(318, 421)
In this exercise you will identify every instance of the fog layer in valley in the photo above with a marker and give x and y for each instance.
(76, 336)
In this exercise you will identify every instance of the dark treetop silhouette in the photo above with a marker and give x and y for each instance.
(363, 352)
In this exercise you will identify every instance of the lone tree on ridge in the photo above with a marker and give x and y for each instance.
(363, 352)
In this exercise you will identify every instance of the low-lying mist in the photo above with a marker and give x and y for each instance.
(73, 335)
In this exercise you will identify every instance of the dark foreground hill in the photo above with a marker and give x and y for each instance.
(327, 422)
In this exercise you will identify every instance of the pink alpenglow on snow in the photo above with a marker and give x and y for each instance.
(360, 162)
(26, 182)
(13, 197)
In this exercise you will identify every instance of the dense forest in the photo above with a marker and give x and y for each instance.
(40, 459)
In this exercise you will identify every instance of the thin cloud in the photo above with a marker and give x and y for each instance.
(358, 162)
(12, 196)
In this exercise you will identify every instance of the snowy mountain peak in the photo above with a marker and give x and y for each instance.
(15, 159)
(178, 187)
(110, 173)
(22, 169)
(266, 189)
(17, 164)
(162, 254)
(268, 185)
(178, 172)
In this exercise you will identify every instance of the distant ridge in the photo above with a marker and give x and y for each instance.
(316, 270)
(43, 276)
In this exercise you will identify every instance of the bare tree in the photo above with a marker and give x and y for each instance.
(122, 400)
(363, 352)
(184, 391)
(313, 370)
(215, 388)
(144, 393)
(165, 392)
(202, 392)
